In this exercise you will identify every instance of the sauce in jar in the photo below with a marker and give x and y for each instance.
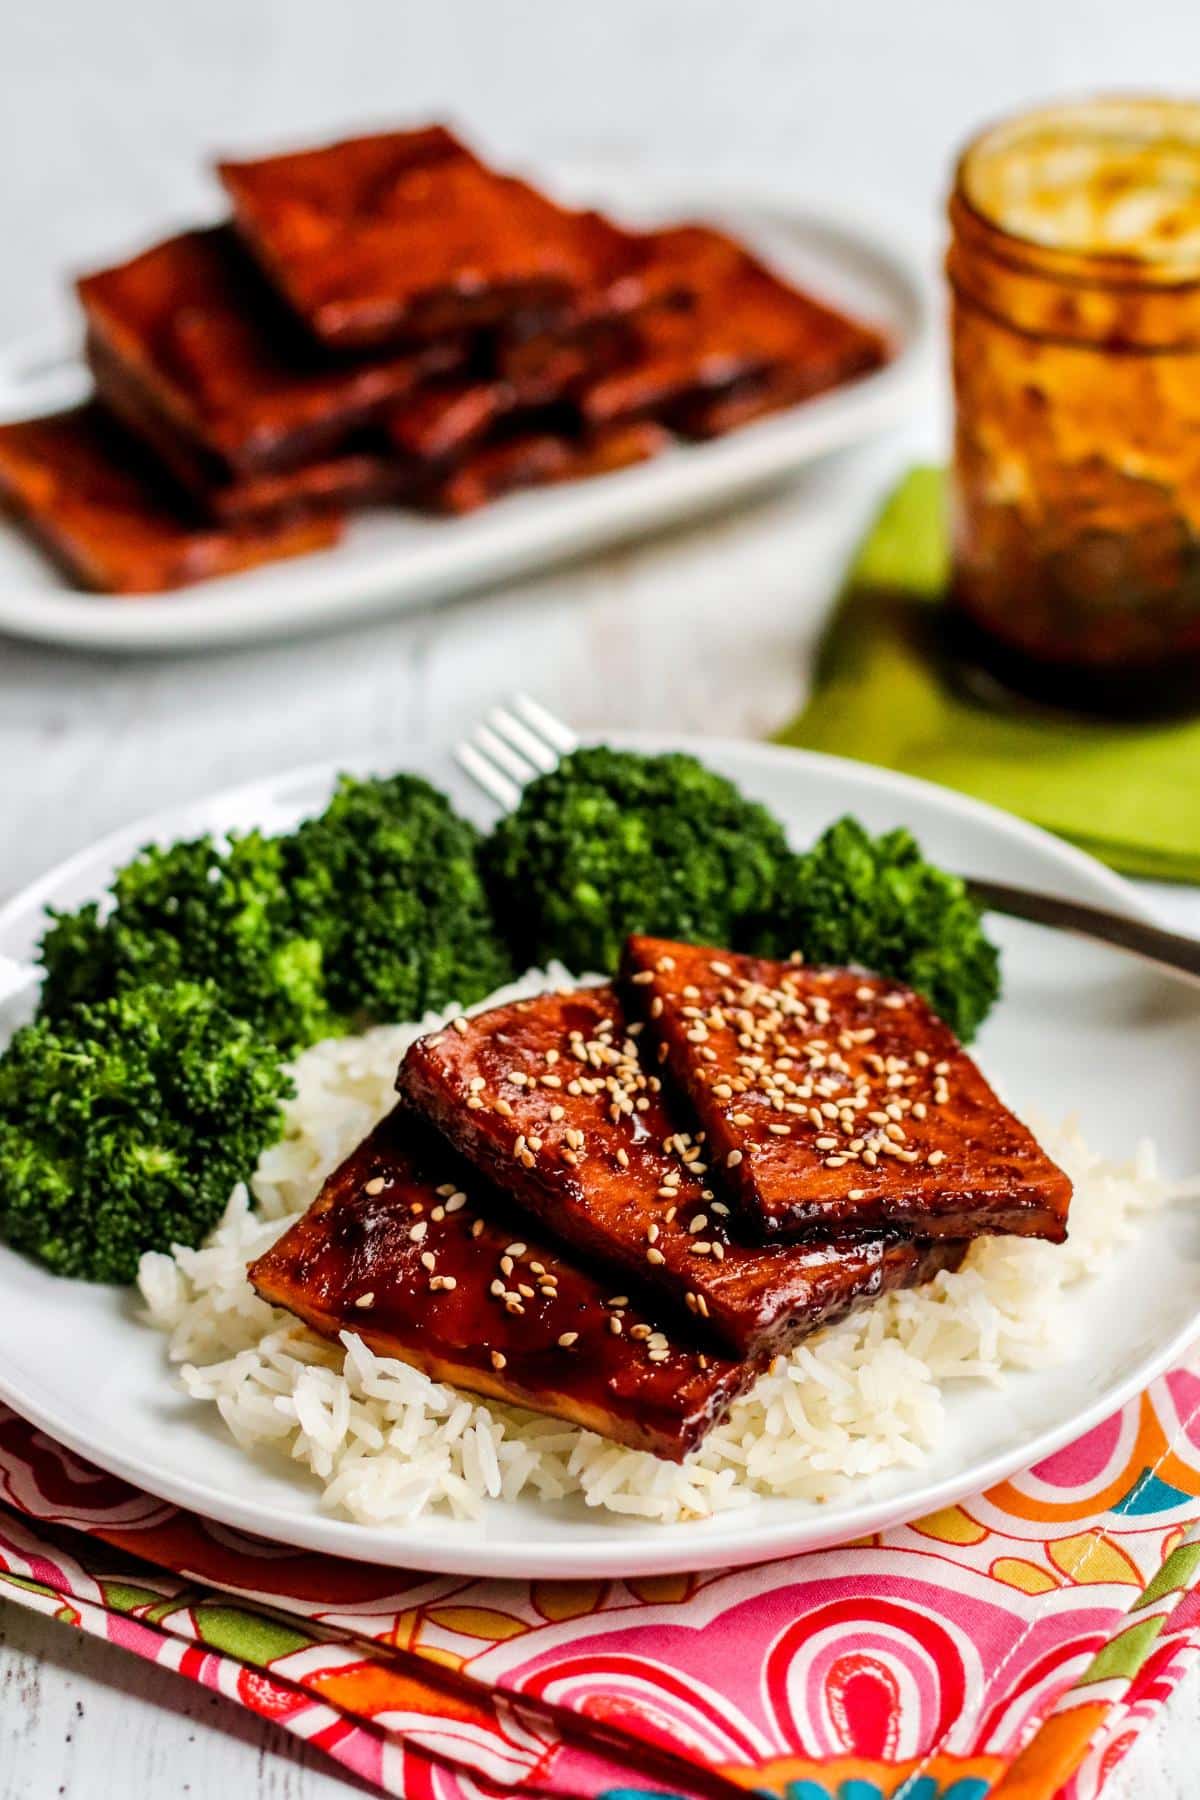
(1074, 269)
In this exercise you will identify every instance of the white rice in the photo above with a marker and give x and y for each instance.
(386, 1443)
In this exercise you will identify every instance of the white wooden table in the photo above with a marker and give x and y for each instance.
(105, 115)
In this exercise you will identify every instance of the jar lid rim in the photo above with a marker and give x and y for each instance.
(1047, 150)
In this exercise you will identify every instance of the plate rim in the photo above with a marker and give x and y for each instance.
(232, 611)
(710, 1544)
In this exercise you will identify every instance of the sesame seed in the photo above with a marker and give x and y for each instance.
(733, 1159)
(567, 1339)
(459, 1024)
(428, 1260)
(498, 1290)
(655, 1256)
(936, 1157)
(516, 1250)
(367, 1299)
(417, 1232)
(614, 1325)
(376, 1185)
(642, 978)
(455, 1203)
(477, 1228)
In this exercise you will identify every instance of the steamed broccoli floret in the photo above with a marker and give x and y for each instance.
(387, 881)
(77, 958)
(612, 842)
(853, 898)
(196, 912)
(124, 1127)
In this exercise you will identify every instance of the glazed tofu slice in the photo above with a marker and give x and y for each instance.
(408, 234)
(524, 379)
(550, 1100)
(90, 497)
(528, 459)
(835, 1101)
(423, 1260)
(356, 474)
(189, 337)
(739, 325)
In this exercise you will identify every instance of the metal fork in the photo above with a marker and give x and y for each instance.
(518, 741)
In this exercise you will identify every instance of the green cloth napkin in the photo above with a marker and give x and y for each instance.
(1128, 793)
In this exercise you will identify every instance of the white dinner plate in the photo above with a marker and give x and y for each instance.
(1080, 1029)
(391, 560)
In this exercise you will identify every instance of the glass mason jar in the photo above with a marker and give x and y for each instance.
(1074, 269)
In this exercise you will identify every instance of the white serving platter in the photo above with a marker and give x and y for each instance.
(392, 561)
(1080, 1029)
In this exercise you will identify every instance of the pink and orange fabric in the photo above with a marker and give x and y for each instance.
(1009, 1648)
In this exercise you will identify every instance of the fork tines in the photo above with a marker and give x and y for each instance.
(512, 745)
